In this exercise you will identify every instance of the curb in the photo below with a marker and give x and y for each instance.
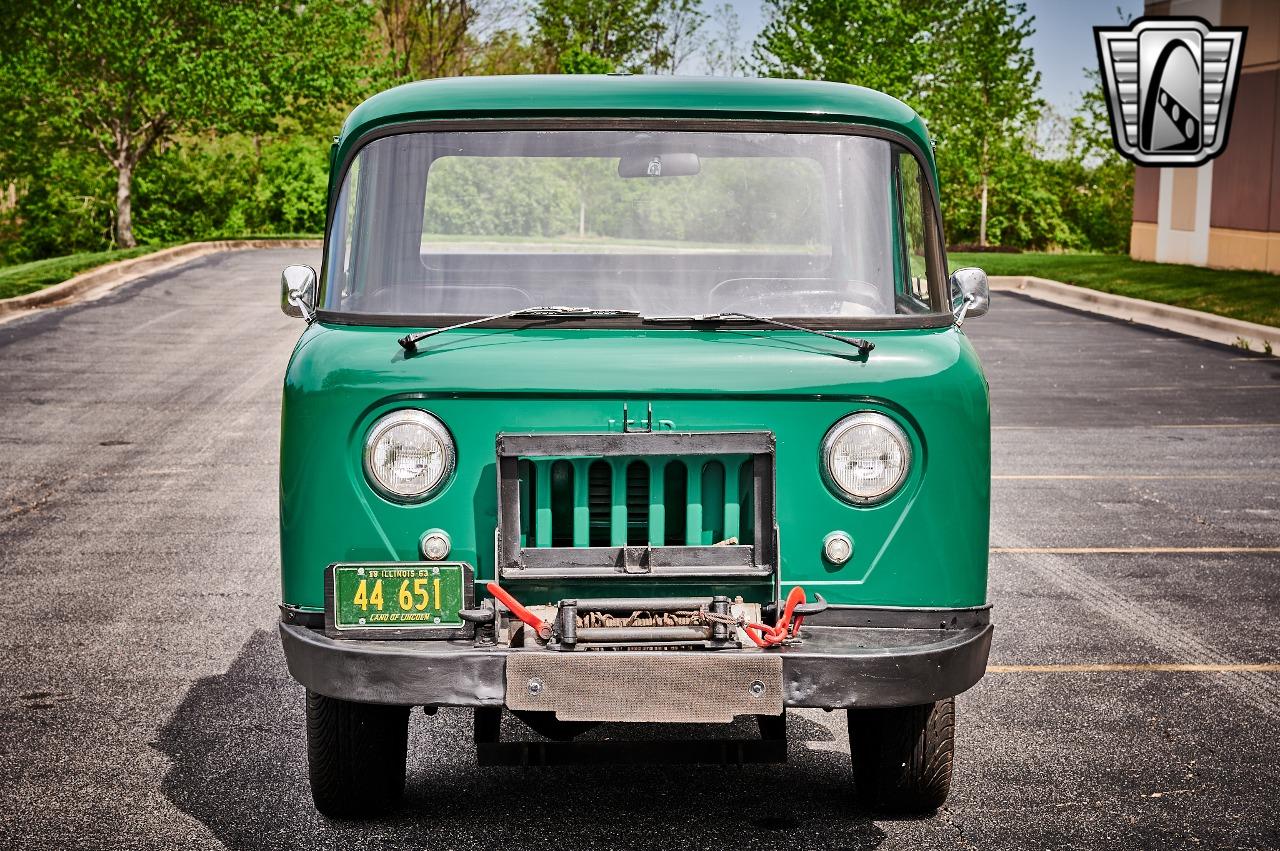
(1193, 323)
(104, 278)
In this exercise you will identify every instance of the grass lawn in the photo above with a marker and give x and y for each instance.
(28, 277)
(1252, 296)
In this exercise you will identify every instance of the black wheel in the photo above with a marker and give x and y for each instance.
(902, 757)
(547, 724)
(355, 756)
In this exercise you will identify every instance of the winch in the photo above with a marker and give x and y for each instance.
(712, 623)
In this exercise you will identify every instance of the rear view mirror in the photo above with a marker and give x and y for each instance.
(970, 293)
(659, 165)
(298, 292)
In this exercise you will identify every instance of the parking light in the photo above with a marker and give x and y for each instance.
(435, 545)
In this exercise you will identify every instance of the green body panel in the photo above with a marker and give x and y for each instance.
(925, 547)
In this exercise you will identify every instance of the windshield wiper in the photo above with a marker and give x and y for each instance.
(863, 346)
(410, 341)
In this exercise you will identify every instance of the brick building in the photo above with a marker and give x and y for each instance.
(1225, 213)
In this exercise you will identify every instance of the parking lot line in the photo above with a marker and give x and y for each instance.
(1182, 388)
(1134, 476)
(1124, 550)
(1107, 668)
(1141, 427)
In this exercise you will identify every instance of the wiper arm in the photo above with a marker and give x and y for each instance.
(863, 346)
(410, 341)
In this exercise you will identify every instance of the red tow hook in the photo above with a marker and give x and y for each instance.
(772, 636)
(537, 624)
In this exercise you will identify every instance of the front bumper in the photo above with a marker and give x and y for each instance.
(864, 657)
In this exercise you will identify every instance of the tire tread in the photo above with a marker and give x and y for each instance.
(355, 756)
(903, 757)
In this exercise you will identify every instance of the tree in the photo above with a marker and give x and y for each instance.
(621, 34)
(965, 66)
(426, 38)
(117, 80)
(1098, 202)
(449, 38)
(678, 36)
(984, 96)
(880, 44)
(722, 52)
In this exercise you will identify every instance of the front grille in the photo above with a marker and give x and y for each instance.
(635, 503)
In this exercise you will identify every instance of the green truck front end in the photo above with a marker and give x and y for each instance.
(633, 513)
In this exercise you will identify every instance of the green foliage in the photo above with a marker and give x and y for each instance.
(968, 69)
(982, 101)
(167, 120)
(1240, 294)
(424, 39)
(117, 79)
(1099, 202)
(28, 277)
(208, 189)
(756, 201)
(584, 34)
(62, 207)
(880, 44)
(575, 60)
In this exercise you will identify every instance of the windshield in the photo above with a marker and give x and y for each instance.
(660, 222)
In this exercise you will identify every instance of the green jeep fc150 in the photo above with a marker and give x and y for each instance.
(633, 399)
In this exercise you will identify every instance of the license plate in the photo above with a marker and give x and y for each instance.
(393, 600)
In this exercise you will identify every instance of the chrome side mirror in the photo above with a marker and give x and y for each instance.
(970, 293)
(298, 292)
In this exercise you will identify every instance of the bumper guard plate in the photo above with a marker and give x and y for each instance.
(639, 686)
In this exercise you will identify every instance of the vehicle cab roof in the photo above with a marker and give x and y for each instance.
(614, 96)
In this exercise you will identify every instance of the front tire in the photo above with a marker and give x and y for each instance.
(355, 756)
(902, 757)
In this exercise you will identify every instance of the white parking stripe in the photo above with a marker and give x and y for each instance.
(1226, 668)
(1069, 551)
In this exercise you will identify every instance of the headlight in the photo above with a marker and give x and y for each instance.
(866, 457)
(408, 455)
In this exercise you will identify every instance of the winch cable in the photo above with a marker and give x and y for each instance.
(762, 635)
(772, 636)
(537, 624)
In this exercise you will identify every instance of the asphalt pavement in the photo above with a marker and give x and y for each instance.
(144, 701)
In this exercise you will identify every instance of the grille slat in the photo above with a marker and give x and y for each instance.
(618, 498)
(732, 510)
(657, 501)
(687, 500)
(581, 502)
(542, 503)
(693, 502)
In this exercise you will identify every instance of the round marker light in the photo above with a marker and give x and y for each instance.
(435, 545)
(866, 458)
(408, 455)
(837, 547)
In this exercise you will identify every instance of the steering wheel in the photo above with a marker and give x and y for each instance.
(813, 296)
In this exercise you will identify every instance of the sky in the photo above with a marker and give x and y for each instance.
(1062, 44)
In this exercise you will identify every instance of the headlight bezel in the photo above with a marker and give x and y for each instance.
(425, 419)
(838, 431)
